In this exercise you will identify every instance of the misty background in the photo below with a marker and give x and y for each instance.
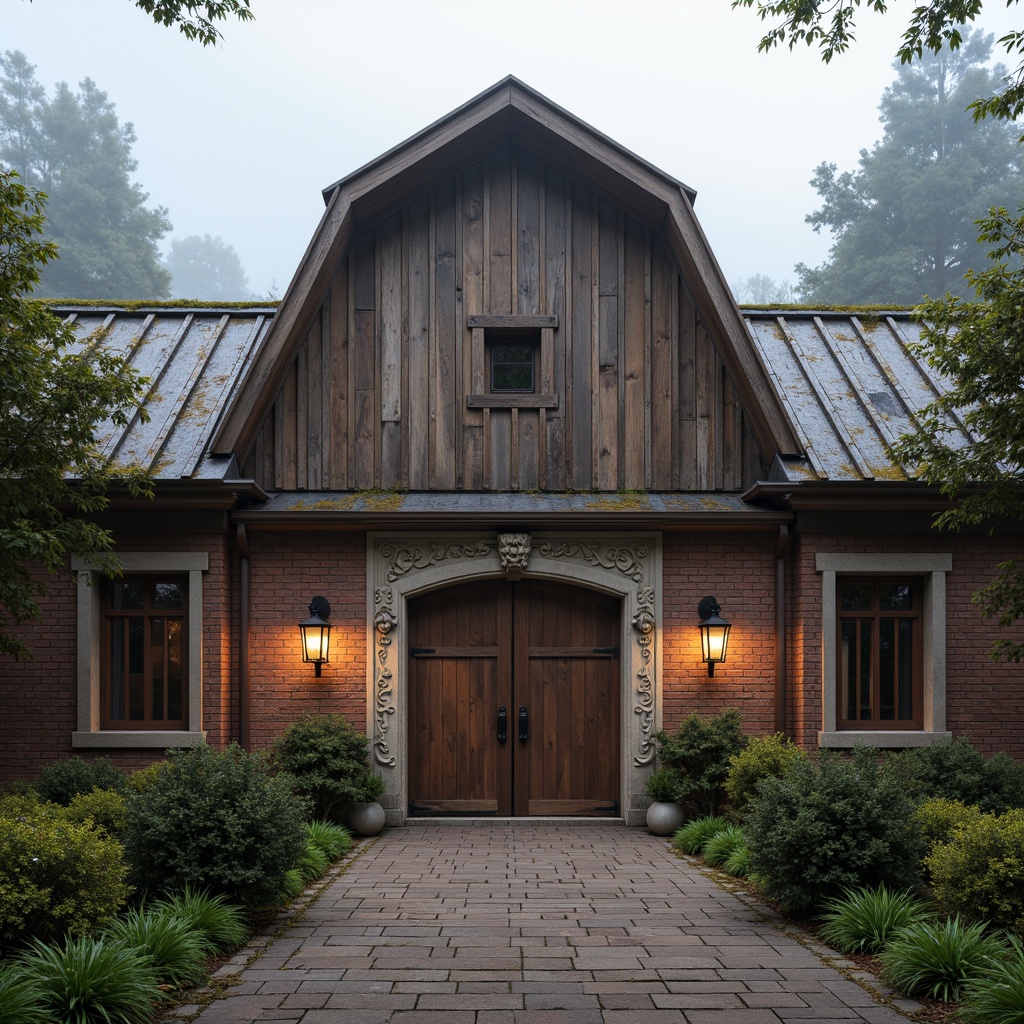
(227, 148)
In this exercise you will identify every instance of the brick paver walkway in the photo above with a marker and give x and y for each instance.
(536, 925)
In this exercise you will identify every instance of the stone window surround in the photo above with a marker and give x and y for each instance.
(89, 733)
(932, 569)
(401, 566)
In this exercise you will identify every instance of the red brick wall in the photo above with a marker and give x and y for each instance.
(739, 570)
(286, 572)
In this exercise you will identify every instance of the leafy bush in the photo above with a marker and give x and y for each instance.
(997, 995)
(936, 958)
(221, 923)
(957, 770)
(61, 781)
(216, 821)
(20, 805)
(332, 840)
(723, 844)
(763, 757)
(18, 1004)
(699, 752)
(365, 788)
(141, 779)
(694, 834)
(979, 872)
(662, 786)
(104, 808)
(830, 824)
(938, 819)
(326, 759)
(177, 950)
(56, 877)
(87, 981)
(861, 920)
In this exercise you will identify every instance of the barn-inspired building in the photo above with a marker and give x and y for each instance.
(510, 424)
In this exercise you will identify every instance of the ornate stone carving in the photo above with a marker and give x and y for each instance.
(385, 620)
(514, 553)
(403, 558)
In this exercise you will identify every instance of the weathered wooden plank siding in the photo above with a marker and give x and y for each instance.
(377, 393)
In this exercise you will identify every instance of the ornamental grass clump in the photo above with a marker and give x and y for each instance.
(222, 924)
(722, 845)
(91, 980)
(862, 920)
(937, 958)
(832, 823)
(332, 840)
(18, 1003)
(694, 834)
(177, 950)
(997, 995)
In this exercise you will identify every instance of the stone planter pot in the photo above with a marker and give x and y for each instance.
(364, 819)
(664, 818)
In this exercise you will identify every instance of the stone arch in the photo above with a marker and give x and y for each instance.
(401, 566)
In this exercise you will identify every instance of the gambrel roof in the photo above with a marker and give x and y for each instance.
(509, 111)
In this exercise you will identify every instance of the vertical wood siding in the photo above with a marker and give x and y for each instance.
(376, 397)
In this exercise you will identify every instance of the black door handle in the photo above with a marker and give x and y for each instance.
(502, 724)
(524, 725)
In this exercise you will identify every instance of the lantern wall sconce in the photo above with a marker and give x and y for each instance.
(714, 633)
(316, 633)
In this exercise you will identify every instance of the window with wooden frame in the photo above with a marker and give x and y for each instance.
(513, 362)
(145, 653)
(879, 669)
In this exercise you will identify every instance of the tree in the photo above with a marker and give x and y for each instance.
(206, 268)
(761, 290)
(53, 396)
(196, 19)
(934, 25)
(904, 223)
(73, 149)
(978, 346)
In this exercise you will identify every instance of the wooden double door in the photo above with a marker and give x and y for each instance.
(514, 700)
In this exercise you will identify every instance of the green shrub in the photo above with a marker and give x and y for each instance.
(979, 872)
(997, 995)
(831, 824)
(938, 819)
(723, 844)
(56, 877)
(937, 958)
(763, 757)
(104, 808)
(861, 920)
(699, 752)
(332, 840)
(221, 923)
(326, 759)
(18, 1003)
(89, 981)
(694, 834)
(61, 781)
(20, 805)
(662, 786)
(177, 950)
(216, 821)
(956, 770)
(365, 788)
(142, 778)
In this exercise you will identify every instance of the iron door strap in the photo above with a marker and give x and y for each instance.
(524, 725)
(502, 724)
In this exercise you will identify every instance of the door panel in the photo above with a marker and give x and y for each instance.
(546, 649)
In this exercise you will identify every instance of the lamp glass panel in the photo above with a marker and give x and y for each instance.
(315, 640)
(714, 641)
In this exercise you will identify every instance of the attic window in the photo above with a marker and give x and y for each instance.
(512, 362)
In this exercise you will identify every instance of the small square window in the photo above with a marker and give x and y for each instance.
(512, 364)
